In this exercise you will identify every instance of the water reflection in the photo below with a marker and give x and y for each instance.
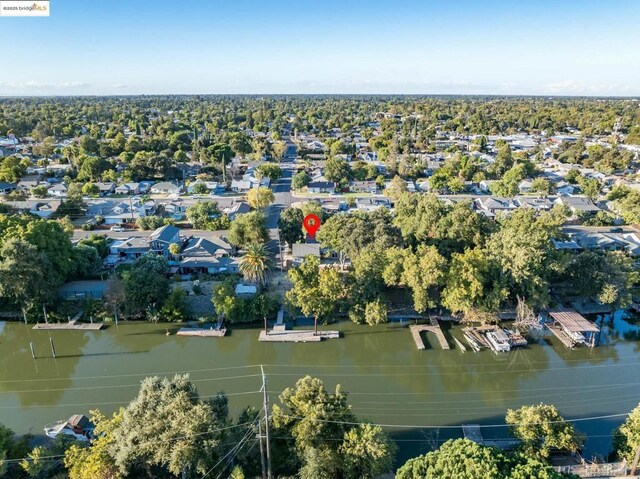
(388, 379)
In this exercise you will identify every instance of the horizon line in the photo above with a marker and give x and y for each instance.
(497, 95)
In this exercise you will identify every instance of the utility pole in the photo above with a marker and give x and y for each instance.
(265, 396)
(264, 470)
(634, 466)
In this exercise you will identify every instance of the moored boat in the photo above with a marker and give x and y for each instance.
(77, 426)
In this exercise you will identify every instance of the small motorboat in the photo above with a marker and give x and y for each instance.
(77, 426)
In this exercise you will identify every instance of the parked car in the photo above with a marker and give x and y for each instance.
(119, 229)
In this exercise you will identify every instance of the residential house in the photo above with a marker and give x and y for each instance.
(363, 187)
(564, 189)
(6, 188)
(166, 188)
(300, 251)
(27, 183)
(127, 189)
(59, 190)
(237, 208)
(578, 204)
(207, 256)
(161, 238)
(525, 186)
(41, 208)
(127, 249)
(370, 204)
(491, 206)
(106, 188)
(538, 204)
(316, 187)
(485, 185)
(240, 186)
(211, 186)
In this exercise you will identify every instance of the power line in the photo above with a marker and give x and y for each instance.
(124, 402)
(120, 385)
(157, 373)
(405, 426)
(441, 373)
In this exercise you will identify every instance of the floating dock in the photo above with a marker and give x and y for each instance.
(297, 336)
(478, 339)
(431, 328)
(202, 332)
(70, 326)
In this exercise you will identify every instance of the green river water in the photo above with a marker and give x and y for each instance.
(418, 395)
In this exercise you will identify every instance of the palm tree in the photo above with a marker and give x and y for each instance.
(255, 264)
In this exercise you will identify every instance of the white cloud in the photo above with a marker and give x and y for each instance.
(575, 87)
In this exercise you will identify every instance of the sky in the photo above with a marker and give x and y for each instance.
(521, 47)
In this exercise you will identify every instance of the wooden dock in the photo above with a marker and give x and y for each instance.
(431, 328)
(70, 326)
(297, 336)
(202, 332)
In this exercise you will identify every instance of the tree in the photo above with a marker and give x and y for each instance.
(11, 448)
(40, 191)
(24, 274)
(626, 439)
(290, 225)
(200, 188)
(260, 198)
(169, 409)
(98, 242)
(367, 451)
(268, 170)
(541, 429)
(376, 312)
(12, 169)
(255, 263)
(300, 180)
(202, 214)
(464, 459)
(609, 277)
(86, 260)
(279, 149)
(175, 307)
(151, 222)
(224, 300)
(248, 228)
(421, 271)
(397, 187)
(146, 285)
(174, 249)
(523, 249)
(91, 189)
(97, 461)
(315, 291)
(337, 169)
(473, 283)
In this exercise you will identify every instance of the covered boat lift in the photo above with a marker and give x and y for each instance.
(571, 328)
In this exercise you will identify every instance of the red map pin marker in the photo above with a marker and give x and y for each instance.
(311, 224)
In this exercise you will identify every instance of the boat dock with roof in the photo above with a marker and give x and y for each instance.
(571, 328)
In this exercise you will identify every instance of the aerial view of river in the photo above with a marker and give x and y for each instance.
(421, 397)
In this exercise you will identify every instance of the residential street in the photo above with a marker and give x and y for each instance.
(282, 192)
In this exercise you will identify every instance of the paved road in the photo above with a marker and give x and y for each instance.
(282, 193)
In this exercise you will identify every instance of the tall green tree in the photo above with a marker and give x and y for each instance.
(542, 429)
(170, 410)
